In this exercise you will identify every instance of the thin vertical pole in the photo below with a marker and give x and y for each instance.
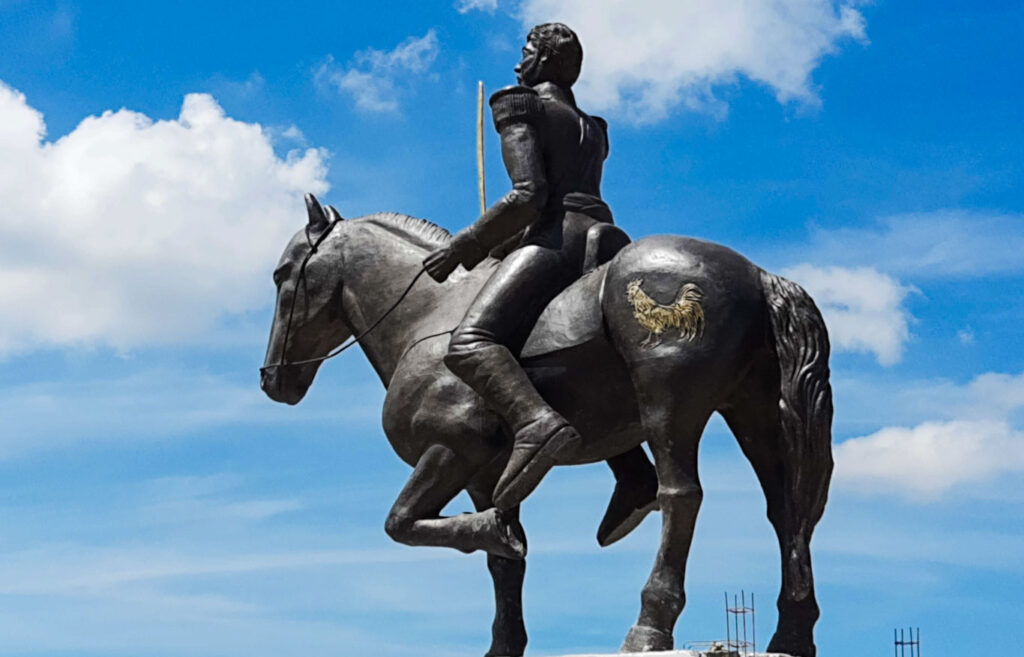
(736, 617)
(481, 186)
(728, 636)
(744, 598)
(753, 618)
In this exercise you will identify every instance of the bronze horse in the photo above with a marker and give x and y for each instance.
(642, 349)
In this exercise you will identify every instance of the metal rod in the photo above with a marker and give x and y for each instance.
(744, 598)
(481, 186)
(736, 619)
(753, 619)
(728, 636)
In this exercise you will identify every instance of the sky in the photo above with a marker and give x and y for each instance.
(153, 158)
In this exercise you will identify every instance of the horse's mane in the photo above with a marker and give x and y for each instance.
(421, 232)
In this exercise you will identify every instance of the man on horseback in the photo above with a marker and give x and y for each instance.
(554, 154)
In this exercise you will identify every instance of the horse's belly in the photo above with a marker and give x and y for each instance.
(590, 386)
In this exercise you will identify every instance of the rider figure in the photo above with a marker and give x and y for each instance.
(554, 154)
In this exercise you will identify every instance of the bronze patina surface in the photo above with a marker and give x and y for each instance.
(538, 339)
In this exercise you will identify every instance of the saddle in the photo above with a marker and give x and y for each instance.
(574, 316)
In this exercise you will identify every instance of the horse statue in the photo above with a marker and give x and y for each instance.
(657, 336)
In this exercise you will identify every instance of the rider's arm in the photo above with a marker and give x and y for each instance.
(517, 117)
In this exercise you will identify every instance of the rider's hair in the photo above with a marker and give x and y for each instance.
(563, 50)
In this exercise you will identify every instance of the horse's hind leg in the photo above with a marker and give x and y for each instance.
(439, 476)
(753, 416)
(673, 432)
(508, 632)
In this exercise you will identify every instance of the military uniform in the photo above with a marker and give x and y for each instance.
(554, 154)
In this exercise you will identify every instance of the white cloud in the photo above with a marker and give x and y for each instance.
(129, 231)
(462, 6)
(932, 457)
(975, 439)
(372, 76)
(863, 308)
(940, 244)
(644, 58)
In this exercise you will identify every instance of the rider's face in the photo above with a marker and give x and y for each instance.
(528, 70)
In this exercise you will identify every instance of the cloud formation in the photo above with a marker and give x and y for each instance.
(462, 6)
(646, 58)
(130, 231)
(863, 308)
(940, 244)
(975, 438)
(371, 79)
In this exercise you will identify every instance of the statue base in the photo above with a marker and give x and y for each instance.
(687, 653)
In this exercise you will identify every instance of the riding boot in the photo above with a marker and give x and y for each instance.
(541, 434)
(635, 495)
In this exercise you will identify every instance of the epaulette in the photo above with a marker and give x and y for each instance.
(515, 104)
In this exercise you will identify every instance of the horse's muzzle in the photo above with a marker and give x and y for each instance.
(272, 384)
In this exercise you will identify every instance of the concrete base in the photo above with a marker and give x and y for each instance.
(682, 653)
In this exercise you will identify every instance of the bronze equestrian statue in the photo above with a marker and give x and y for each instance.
(558, 343)
(554, 154)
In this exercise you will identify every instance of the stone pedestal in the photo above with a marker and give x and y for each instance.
(684, 653)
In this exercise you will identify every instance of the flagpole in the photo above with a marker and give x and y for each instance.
(480, 145)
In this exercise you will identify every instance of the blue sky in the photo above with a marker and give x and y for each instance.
(152, 161)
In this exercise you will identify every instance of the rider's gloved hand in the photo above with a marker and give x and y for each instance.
(463, 250)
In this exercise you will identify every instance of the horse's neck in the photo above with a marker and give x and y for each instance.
(378, 268)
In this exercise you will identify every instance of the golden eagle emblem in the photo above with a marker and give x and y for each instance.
(685, 313)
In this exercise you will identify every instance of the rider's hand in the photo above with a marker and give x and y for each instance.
(462, 250)
(441, 263)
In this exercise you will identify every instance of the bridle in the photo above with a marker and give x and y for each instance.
(301, 280)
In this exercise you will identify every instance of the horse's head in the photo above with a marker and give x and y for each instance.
(308, 320)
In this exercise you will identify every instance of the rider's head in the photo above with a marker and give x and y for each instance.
(552, 54)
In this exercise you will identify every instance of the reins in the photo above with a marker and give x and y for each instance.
(313, 246)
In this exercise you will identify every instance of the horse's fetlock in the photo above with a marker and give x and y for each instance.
(666, 598)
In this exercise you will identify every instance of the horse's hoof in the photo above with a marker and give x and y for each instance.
(646, 639)
(504, 537)
(791, 646)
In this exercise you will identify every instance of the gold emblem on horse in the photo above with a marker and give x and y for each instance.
(685, 313)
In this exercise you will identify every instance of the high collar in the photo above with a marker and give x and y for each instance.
(552, 91)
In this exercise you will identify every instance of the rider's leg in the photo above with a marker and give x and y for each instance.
(636, 495)
(483, 353)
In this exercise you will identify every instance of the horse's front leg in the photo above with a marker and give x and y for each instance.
(415, 517)
(508, 632)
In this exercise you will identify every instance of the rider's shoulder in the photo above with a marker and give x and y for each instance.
(516, 104)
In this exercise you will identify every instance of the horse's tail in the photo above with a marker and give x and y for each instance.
(805, 402)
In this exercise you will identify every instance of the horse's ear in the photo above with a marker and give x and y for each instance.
(333, 214)
(317, 218)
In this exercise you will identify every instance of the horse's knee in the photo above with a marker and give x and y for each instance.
(399, 526)
(683, 495)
